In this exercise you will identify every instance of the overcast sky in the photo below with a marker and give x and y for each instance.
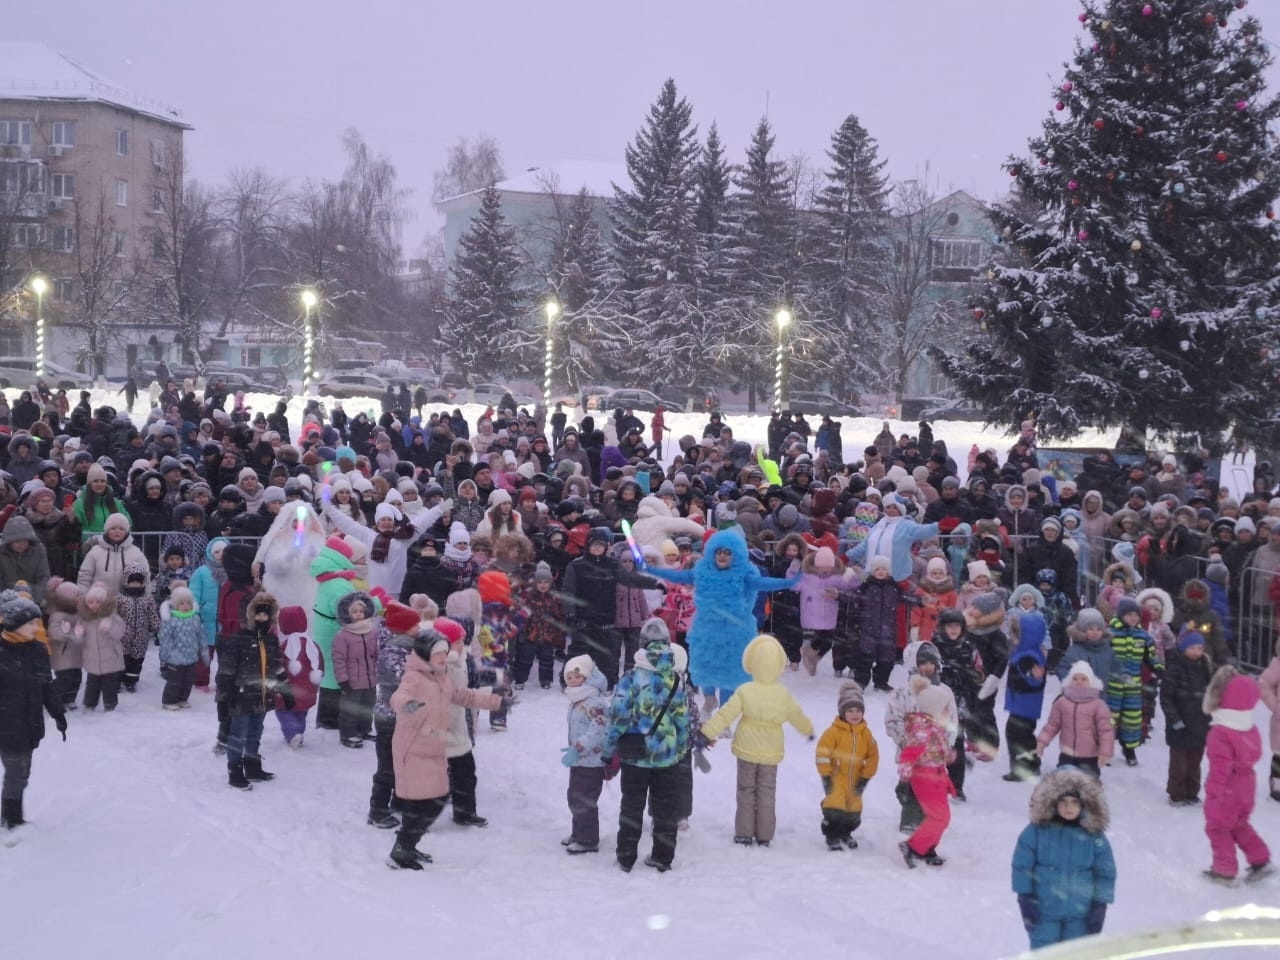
(954, 84)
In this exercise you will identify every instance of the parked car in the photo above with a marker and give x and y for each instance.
(344, 386)
(234, 381)
(819, 403)
(20, 372)
(633, 399)
(958, 409)
(592, 394)
(273, 377)
(491, 395)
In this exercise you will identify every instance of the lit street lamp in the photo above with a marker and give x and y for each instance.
(553, 311)
(309, 300)
(783, 320)
(38, 286)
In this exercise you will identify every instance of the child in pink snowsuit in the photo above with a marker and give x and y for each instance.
(923, 764)
(1234, 747)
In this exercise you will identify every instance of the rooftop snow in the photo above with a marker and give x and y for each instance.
(33, 71)
(565, 177)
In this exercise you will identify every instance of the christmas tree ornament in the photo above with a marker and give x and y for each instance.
(1148, 10)
(1210, 19)
(1083, 18)
(1059, 105)
(1106, 25)
(1099, 124)
(1139, 131)
(1007, 232)
(1072, 185)
(978, 313)
(1200, 87)
(1221, 156)
(1260, 313)
(1135, 245)
(1066, 87)
(1046, 322)
(1271, 214)
(1156, 313)
(1184, 345)
(1242, 105)
(1082, 236)
(1179, 188)
(1144, 373)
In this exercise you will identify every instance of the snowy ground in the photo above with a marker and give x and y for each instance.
(139, 848)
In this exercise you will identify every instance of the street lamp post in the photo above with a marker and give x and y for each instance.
(38, 286)
(783, 320)
(553, 311)
(309, 300)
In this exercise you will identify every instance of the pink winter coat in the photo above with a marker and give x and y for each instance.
(818, 611)
(422, 736)
(1269, 688)
(1230, 788)
(1082, 720)
(355, 656)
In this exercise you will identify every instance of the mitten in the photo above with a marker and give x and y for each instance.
(1096, 917)
(570, 756)
(701, 762)
(861, 785)
(1029, 906)
(61, 724)
(989, 687)
(1179, 725)
(411, 707)
(826, 785)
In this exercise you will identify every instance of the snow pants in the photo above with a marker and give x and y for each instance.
(104, 685)
(17, 771)
(1020, 732)
(178, 681)
(659, 786)
(67, 683)
(293, 723)
(384, 776)
(462, 784)
(933, 789)
(757, 795)
(1230, 828)
(1184, 772)
(1124, 698)
(585, 784)
(912, 816)
(1055, 930)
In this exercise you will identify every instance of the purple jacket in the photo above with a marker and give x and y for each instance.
(632, 609)
(817, 610)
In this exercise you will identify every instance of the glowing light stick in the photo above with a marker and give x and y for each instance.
(299, 526)
(631, 544)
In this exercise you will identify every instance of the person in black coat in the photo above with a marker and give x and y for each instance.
(1186, 678)
(251, 672)
(279, 421)
(257, 524)
(1049, 552)
(151, 514)
(26, 692)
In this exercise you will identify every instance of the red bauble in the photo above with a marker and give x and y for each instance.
(1083, 18)
(1015, 171)
(1271, 214)
(1099, 124)
(978, 313)
(1221, 156)
(1139, 131)
(1075, 201)
(1210, 19)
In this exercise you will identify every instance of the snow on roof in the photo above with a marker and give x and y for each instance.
(565, 177)
(33, 71)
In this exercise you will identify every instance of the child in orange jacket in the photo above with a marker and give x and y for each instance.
(847, 759)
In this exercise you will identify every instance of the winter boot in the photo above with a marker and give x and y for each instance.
(851, 843)
(744, 841)
(908, 854)
(574, 847)
(932, 858)
(236, 777)
(383, 819)
(1130, 756)
(651, 861)
(253, 769)
(1253, 875)
(834, 843)
(404, 857)
(11, 813)
(469, 820)
(1219, 878)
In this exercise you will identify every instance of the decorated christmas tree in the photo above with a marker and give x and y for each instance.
(1140, 278)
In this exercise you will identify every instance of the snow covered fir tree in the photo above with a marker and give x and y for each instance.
(1140, 282)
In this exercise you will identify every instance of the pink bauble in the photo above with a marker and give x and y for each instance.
(1083, 18)
(1066, 87)
(1242, 104)
(1156, 313)
(1059, 105)
(1148, 10)
(1082, 236)
(1072, 185)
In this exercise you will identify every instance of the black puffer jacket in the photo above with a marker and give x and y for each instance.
(1182, 699)
(250, 664)
(26, 691)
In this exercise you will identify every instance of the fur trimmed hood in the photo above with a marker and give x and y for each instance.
(980, 622)
(1166, 602)
(1217, 683)
(808, 564)
(780, 548)
(1094, 817)
(1115, 568)
(260, 599)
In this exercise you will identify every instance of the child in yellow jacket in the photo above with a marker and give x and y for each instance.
(847, 758)
(764, 705)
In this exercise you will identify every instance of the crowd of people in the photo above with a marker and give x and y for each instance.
(397, 578)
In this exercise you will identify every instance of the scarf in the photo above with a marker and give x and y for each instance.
(360, 627)
(459, 556)
(403, 530)
(1240, 720)
(577, 694)
(181, 614)
(16, 638)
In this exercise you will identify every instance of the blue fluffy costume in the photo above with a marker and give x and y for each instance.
(723, 621)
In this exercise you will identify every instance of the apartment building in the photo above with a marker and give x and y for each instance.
(87, 169)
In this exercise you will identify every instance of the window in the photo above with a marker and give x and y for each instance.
(21, 178)
(62, 133)
(122, 193)
(27, 235)
(157, 154)
(158, 295)
(157, 201)
(157, 247)
(64, 239)
(117, 237)
(62, 186)
(954, 260)
(122, 143)
(15, 133)
(64, 289)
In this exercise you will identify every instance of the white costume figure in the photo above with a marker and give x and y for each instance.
(655, 522)
(286, 567)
